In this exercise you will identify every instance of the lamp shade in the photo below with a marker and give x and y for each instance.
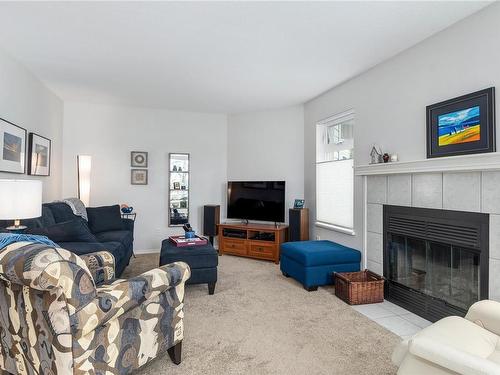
(20, 199)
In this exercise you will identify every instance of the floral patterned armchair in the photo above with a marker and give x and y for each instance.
(55, 320)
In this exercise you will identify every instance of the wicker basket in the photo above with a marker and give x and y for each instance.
(357, 288)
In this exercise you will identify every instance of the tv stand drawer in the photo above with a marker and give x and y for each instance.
(234, 246)
(262, 249)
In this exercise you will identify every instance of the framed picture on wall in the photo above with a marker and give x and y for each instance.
(39, 152)
(463, 125)
(139, 159)
(139, 177)
(13, 151)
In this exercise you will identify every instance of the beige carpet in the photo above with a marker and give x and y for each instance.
(259, 322)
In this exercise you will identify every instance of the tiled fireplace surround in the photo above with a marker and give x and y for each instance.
(474, 191)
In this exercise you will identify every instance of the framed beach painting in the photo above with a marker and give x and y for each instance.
(39, 152)
(13, 151)
(463, 125)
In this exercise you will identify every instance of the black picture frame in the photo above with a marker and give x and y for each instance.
(32, 168)
(479, 129)
(299, 203)
(12, 166)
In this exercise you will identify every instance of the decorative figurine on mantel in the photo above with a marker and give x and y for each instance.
(376, 155)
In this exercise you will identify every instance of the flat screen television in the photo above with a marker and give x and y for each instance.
(256, 200)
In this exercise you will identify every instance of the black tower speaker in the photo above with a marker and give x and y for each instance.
(211, 217)
(298, 229)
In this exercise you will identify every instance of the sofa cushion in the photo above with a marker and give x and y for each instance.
(61, 212)
(317, 253)
(105, 218)
(80, 248)
(122, 236)
(111, 246)
(69, 231)
(47, 218)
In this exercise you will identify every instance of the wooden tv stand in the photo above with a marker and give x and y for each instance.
(260, 241)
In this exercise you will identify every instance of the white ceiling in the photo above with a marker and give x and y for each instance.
(212, 56)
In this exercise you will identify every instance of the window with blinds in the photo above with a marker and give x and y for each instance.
(335, 173)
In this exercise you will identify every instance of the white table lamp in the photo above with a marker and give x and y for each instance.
(20, 199)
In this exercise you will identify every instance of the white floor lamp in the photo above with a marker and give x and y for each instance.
(84, 169)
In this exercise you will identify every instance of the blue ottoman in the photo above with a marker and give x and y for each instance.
(313, 262)
(202, 261)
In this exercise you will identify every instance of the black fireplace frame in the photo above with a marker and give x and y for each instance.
(477, 239)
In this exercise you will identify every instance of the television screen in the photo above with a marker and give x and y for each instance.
(256, 200)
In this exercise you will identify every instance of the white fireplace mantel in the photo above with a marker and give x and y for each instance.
(463, 163)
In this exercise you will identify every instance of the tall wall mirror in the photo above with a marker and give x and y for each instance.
(178, 194)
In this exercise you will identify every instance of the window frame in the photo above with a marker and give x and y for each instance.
(336, 119)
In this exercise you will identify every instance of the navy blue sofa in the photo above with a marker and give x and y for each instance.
(105, 230)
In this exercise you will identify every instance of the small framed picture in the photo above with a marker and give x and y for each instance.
(139, 159)
(13, 143)
(39, 152)
(299, 203)
(139, 177)
(177, 185)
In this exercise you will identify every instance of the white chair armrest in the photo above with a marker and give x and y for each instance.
(486, 314)
(451, 358)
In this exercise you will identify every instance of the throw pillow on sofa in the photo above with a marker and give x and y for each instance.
(68, 231)
(105, 218)
(61, 212)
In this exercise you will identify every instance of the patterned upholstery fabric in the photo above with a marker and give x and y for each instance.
(101, 266)
(54, 320)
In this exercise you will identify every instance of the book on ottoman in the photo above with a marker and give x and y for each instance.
(181, 241)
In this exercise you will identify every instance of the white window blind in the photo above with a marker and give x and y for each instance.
(335, 173)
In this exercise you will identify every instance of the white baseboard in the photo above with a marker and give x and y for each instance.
(146, 251)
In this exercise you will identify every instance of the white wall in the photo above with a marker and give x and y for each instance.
(390, 99)
(109, 133)
(26, 102)
(268, 145)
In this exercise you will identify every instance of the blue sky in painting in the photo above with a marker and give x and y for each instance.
(469, 116)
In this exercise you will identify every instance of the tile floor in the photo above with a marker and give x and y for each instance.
(394, 318)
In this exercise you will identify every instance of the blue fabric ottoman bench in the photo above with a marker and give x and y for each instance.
(313, 262)
(202, 260)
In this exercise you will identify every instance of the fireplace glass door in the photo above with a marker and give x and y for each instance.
(443, 271)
